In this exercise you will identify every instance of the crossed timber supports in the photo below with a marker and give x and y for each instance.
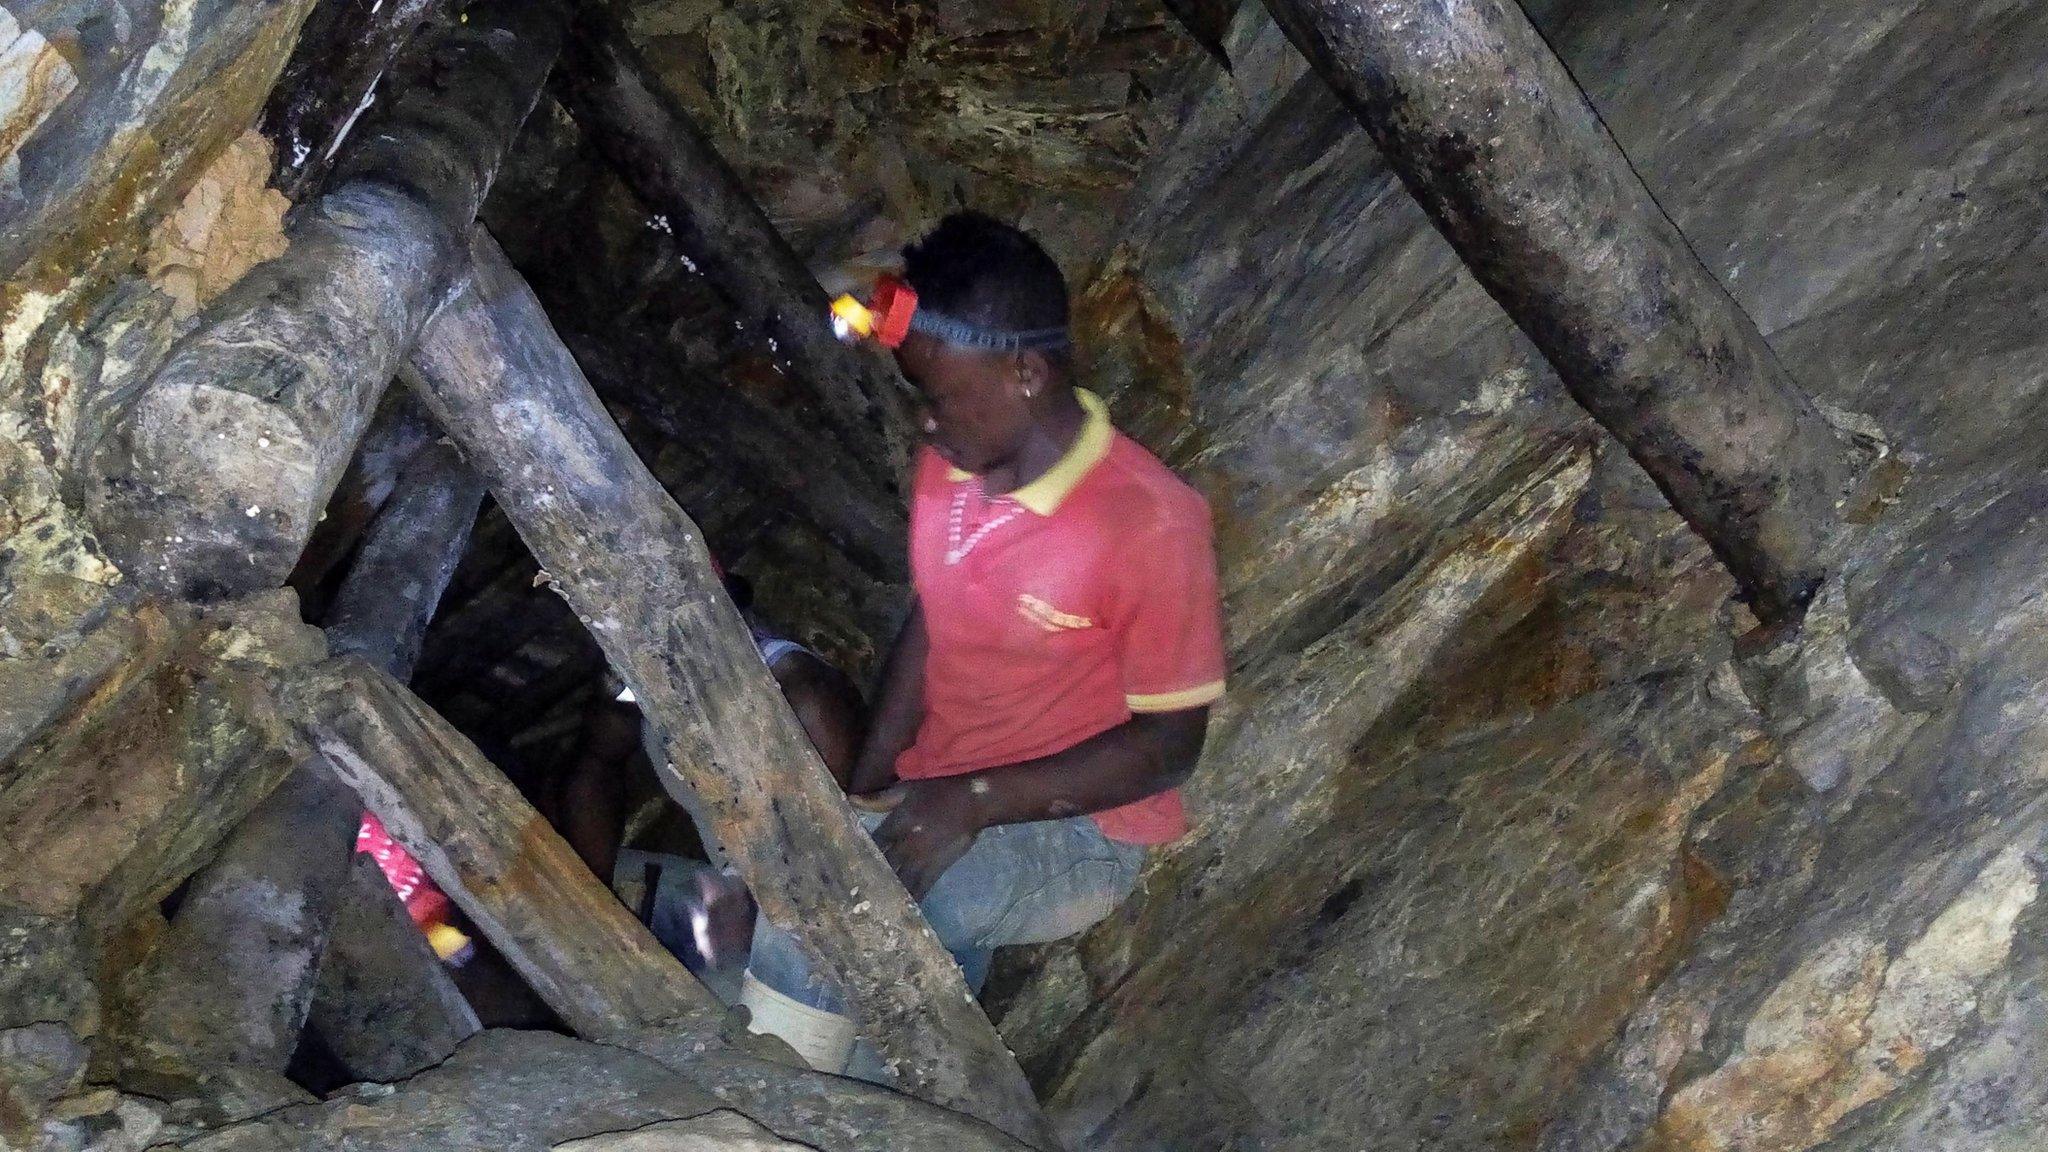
(207, 484)
(636, 570)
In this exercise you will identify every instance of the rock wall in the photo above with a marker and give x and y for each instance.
(859, 122)
(111, 114)
(1504, 842)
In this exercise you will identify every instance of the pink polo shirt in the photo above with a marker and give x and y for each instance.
(1059, 610)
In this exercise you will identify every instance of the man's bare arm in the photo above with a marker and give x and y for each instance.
(898, 711)
(935, 821)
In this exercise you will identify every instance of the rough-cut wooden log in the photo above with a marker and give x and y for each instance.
(1488, 130)
(635, 569)
(209, 485)
(230, 983)
(674, 169)
(233, 980)
(385, 1005)
(383, 609)
(331, 80)
(575, 944)
(397, 432)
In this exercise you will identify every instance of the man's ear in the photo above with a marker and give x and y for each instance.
(1034, 372)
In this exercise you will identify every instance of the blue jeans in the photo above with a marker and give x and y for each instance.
(668, 910)
(1018, 884)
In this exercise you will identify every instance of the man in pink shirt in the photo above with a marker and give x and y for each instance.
(1050, 690)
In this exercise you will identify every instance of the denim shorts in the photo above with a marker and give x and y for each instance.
(1018, 884)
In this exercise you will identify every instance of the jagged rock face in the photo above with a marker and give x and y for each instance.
(858, 121)
(503, 1090)
(507, 1091)
(1521, 853)
(1503, 844)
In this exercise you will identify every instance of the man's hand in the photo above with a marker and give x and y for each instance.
(932, 824)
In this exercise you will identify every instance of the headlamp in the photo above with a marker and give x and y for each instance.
(892, 313)
(885, 318)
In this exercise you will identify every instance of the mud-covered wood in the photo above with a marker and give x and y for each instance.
(234, 978)
(525, 888)
(675, 170)
(385, 1006)
(332, 81)
(635, 568)
(231, 981)
(1495, 140)
(209, 485)
(397, 432)
(404, 564)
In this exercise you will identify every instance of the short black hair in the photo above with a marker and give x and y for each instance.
(976, 268)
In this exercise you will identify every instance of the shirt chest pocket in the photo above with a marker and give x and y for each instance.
(1044, 629)
(1027, 602)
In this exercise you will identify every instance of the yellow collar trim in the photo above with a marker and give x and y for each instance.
(1045, 494)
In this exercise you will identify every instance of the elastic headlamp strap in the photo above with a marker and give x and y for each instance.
(961, 334)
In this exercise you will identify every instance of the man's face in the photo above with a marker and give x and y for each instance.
(972, 404)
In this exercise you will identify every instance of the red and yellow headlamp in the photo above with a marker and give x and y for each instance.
(892, 314)
(885, 318)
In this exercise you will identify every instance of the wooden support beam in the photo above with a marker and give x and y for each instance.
(230, 983)
(233, 980)
(635, 569)
(676, 171)
(385, 1005)
(497, 858)
(1489, 132)
(330, 82)
(208, 486)
(404, 564)
(397, 432)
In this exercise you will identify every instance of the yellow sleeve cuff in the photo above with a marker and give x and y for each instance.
(1175, 701)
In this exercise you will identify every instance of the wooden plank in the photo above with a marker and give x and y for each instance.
(485, 846)
(404, 564)
(232, 981)
(635, 568)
